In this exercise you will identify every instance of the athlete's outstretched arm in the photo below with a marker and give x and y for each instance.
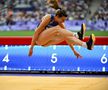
(75, 52)
(41, 27)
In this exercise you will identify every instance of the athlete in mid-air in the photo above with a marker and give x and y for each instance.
(51, 31)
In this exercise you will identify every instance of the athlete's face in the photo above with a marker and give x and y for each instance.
(61, 19)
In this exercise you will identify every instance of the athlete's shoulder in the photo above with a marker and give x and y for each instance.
(47, 16)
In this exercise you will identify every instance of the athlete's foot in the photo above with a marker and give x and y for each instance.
(81, 33)
(91, 41)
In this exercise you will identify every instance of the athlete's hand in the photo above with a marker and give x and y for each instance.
(30, 52)
(77, 55)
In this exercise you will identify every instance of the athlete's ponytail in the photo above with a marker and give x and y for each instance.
(54, 4)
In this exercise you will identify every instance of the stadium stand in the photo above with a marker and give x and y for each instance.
(26, 14)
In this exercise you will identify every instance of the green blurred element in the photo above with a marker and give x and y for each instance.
(16, 33)
(30, 33)
(97, 33)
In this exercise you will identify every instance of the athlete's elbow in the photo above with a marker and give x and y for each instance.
(39, 30)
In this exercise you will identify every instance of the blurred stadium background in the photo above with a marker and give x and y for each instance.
(21, 17)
